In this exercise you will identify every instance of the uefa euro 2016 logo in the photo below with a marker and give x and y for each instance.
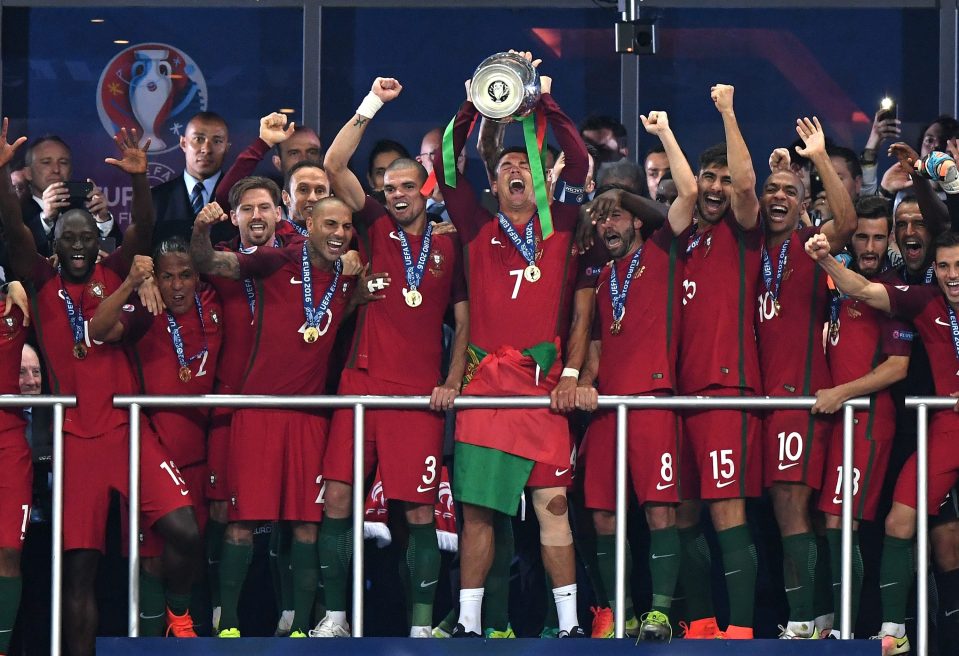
(153, 87)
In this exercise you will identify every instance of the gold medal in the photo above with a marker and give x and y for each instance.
(616, 328)
(777, 308)
(413, 298)
(532, 273)
(311, 334)
(79, 351)
(833, 330)
(185, 374)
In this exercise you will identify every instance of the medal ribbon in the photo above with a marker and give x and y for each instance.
(248, 282)
(296, 226)
(314, 315)
(694, 242)
(414, 274)
(954, 324)
(525, 246)
(74, 314)
(619, 298)
(178, 338)
(771, 286)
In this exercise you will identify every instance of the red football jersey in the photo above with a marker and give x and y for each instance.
(718, 333)
(505, 308)
(181, 431)
(393, 341)
(865, 338)
(281, 362)
(791, 355)
(926, 307)
(642, 357)
(12, 338)
(106, 370)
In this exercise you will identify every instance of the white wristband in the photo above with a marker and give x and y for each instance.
(370, 105)
(569, 372)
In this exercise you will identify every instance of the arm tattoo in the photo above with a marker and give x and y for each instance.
(211, 262)
(360, 120)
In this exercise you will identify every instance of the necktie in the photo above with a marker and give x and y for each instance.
(196, 198)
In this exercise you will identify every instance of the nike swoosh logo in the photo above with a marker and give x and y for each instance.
(888, 585)
(560, 472)
(782, 468)
(273, 554)
(726, 483)
(183, 493)
(657, 556)
(145, 617)
(210, 561)
(798, 587)
(424, 584)
(949, 613)
(837, 501)
(324, 567)
(660, 486)
(421, 489)
(942, 323)
(294, 281)
(495, 242)
(393, 235)
(735, 571)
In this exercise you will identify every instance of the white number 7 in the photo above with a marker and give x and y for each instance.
(519, 278)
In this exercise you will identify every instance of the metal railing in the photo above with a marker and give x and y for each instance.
(622, 404)
(56, 561)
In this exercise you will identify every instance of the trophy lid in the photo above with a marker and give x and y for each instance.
(499, 85)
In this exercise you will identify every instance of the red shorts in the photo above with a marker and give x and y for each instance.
(406, 444)
(151, 542)
(16, 487)
(943, 471)
(217, 485)
(652, 454)
(276, 464)
(724, 444)
(94, 466)
(794, 447)
(870, 461)
(547, 475)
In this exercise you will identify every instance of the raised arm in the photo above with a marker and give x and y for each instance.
(681, 211)
(934, 211)
(840, 230)
(106, 326)
(849, 282)
(133, 160)
(343, 181)
(568, 138)
(489, 143)
(273, 130)
(744, 202)
(207, 260)
(653, 214)
(20, 245)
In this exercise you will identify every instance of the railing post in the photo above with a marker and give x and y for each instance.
(848, 477)
(922, 529)
(359, 495)
(133, 539)
(56, 562)
(619, 617)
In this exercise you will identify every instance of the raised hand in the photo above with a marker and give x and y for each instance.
(96, 203)
(274, 130)
(528, 56)
(8, 150)
(904, 154)
(54, 199)
(779, 160)
(545, 83)
(722, 97)
(133, 157)
(369, 284)
(386, 88)
(210, 214)
(817, 247)
(656, 123)
(352, 266)
(812, 135)
(603, 204)
(897, 178)
(141, 270)
(884, 129)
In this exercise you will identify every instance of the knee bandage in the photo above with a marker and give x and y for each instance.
(552, 511)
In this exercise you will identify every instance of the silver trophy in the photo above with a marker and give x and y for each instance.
(504, 86)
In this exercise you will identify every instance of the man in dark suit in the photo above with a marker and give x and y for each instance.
(177, 201)
(49, 166)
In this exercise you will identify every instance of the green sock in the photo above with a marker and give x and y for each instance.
(284, 567)
(423, 562)
(214, 546)
(739, 563)
(695, 573)
(448, 623)
(319, 601)
(335, 548)
(822, 595)
(799, 568)
(664, 554)
(306, 572)
(895, 576)
(496, 585)
(551, 621)
(152, 606)
(10, 587)
(234, 562)
(606, 564)
(834, 538)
